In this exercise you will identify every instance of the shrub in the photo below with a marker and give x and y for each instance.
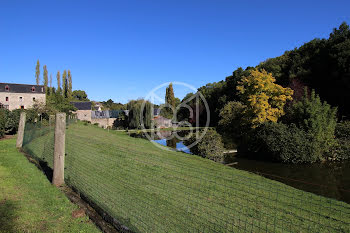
(12, 121)
(210, 146)
(342, 130)
(2, 123)
(341, 150)
(230, 122)
(317, 119)
(284, 143)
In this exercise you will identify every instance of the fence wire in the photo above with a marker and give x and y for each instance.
(147, 189)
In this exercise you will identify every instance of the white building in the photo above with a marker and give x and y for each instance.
(21, 96)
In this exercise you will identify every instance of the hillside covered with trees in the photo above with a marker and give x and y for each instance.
(321, 64)
(292, 108)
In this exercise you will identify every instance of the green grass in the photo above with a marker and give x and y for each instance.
(152, 190)
(28, 202)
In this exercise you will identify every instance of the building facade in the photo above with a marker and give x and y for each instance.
(21, 96)
(83, 111)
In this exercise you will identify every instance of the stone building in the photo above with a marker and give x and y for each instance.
(21, 96)
(83, 111)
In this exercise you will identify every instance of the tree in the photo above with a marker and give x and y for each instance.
(64, 84)
(50, 88)
(317, 119)
(69, 90)
(170, 102)
(45, 77)
(37, 72)
(80, 95)
(169, 96)
(263, 98)
(231, 119)
(134, 107)
(58, 76)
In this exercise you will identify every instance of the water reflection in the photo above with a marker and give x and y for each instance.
(326, 179)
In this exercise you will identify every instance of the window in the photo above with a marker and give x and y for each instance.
(22, 107)
(33, 89)
(7, 88)
(33, 98)
(20, 98)
(7, 98)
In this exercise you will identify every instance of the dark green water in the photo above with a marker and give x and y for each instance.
(326, 179)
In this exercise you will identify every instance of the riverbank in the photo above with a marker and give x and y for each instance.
(28, 202)
(153, 190)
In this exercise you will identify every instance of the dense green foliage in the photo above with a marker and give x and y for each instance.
(170, 103)
(37, 73)
(232, 122)
(64, 84)
(306, 134)
(79, 95)
(317, 119)
(58, 77)
(136, 117)
(341, 149)
(69, 85)
(284, 143)
(9, 121)
(110, 105)
(210, 146)
(342, 130)
(46, 78)
(2, 123)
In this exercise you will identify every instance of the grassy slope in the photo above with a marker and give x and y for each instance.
(28, 202)
(153, 190)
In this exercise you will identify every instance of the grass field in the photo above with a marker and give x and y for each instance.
(28, 202)
(152, 190)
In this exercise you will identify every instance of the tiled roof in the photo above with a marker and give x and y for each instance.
(82, 105)
(21, 88)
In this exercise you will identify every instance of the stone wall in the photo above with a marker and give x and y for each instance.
(83, 115)
(103, 122)
(21, 100)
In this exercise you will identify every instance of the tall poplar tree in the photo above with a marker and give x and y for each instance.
(37, 72)
(58, 76)
(69, 90)
(46, 78)
(64, 83)
(50, 87)
(170, 100)
(169, 96)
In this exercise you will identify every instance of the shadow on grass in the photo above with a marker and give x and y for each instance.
(39, 163)
(7, 216)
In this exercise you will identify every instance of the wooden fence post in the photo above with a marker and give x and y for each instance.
(59, 151)
(20, 133)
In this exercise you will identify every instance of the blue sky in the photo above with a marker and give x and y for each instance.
(123, 49)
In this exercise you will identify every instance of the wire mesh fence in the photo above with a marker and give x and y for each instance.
(147, 189)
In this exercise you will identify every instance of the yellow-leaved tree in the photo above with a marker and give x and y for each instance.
(264, 99)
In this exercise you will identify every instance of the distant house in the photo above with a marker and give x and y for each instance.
(21, 96)
(162, 122)
(156, 112)
(83, 111)
(98, 106)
